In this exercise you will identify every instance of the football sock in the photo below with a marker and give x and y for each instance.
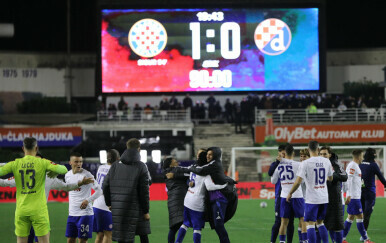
(318, 239)
(304, 237)
(290, 230)
(311, 234)
(282, 238)
(197, 236)
(275, 229)
(300, 235)
(323, 233)
(361, 229)
(347, 226)
(338, 236)
(332, 235)
(181, 234)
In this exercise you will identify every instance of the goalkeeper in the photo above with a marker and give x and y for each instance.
(31, 204)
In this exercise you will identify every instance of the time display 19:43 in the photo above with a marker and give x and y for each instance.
(229, 49)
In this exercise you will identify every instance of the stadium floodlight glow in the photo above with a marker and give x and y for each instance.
(103, 156)
(156, 156)
(143, 154)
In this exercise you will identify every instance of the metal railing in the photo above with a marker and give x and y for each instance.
(322, 115)
(144, 116)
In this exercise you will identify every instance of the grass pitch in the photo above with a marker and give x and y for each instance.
(251, 223)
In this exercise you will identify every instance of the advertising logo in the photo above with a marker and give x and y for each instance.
(147, 38)
(272, 37)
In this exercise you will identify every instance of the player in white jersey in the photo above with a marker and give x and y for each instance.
(315, 171)
(286, 172)
(103, 220)
(194, 205)
(81, 214)
(353, 200)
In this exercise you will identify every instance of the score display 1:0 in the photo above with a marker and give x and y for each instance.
(225, 28)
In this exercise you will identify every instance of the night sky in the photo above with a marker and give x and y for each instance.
(40, 26)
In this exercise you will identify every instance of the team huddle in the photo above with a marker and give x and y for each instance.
(119, 208)
(312, 191)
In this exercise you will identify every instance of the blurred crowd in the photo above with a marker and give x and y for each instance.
(211, 108)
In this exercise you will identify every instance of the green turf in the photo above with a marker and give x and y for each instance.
(251, 223)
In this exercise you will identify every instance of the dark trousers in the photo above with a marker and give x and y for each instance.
(368, 202)
(172, 232)
(219, 207)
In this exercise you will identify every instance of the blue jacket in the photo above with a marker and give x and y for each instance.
(369, 170)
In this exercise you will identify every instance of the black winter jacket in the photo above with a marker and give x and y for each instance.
(126, 190)
(334, 218)
(177, 188)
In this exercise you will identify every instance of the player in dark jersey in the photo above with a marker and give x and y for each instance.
(369, 169)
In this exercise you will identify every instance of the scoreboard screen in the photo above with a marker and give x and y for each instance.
(188, 50)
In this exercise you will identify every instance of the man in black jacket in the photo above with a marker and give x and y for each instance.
(224, 203)
(334, 219)
(126, 191)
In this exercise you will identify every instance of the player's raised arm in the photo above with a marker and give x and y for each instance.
(6, 169)
(210, 186)
(57, 184)
(10, 182)
(275, 176)
(51, 166)
(379, 173)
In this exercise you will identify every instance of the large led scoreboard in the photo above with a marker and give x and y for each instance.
(187, 50)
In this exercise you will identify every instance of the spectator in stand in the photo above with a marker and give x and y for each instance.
(148, 109)
(243, 108)
(187, 102)
(342, 107)
(211, 100)
(268, 103)
(218, 110)
(202, 111)
(238, 121)
(312, 108)
(212, 111)
(137, 112)
(164, 104)
(100, 104)
(173, 102)
(371, 103)
(196, 110)
(122, 104)
(111, 110)
(229, 111)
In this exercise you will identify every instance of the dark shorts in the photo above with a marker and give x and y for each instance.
(80, 226)
(103, 220)
(295, 207)
(194, 219)
(354, 207)
(313, 212)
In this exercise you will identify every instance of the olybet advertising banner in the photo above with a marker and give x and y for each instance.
(363, 133)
